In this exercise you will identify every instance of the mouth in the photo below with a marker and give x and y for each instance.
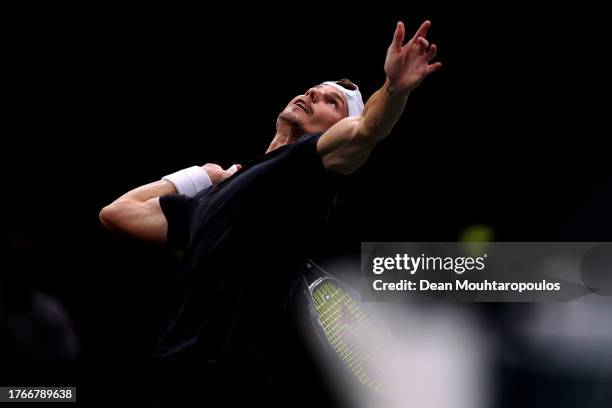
(301, 104)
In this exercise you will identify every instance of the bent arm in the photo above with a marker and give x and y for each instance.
(346, 146)
(138, 214)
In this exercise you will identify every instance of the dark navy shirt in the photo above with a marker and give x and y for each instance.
(245, 238)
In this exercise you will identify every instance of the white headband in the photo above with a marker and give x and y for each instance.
(353, 98)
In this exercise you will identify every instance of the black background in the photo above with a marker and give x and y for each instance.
(512, 133)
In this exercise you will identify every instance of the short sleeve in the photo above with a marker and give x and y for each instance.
(305, 155)
(177, 209)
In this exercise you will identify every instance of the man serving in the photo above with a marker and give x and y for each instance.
(244, 230)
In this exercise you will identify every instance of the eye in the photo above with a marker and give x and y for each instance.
(333, 103)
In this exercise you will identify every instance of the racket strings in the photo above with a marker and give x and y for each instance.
(350, 331)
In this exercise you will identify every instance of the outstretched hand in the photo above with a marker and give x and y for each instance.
(408, 65)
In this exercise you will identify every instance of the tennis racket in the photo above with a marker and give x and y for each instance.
(349, 329)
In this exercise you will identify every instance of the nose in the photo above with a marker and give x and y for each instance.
(314, 94)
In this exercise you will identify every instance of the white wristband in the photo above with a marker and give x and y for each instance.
(190, 180)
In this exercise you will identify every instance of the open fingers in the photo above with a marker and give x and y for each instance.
(431, 52)
(422, 31)
(423, 44)
(433, 67)
(398, 36)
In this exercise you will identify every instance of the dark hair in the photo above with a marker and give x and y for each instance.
(347, 84)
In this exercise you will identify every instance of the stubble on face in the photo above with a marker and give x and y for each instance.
(293, 118)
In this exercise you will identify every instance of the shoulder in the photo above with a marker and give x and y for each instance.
(307, 139)
(305, 145)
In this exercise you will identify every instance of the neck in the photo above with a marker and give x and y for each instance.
(285, 134)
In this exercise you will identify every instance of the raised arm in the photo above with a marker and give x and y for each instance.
(346, 146)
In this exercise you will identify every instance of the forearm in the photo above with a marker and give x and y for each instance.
(188, 182)
(138, 214)
(149, 191)
(381, 112)
(144, 199)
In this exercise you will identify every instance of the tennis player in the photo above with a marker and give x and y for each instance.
(245, 229)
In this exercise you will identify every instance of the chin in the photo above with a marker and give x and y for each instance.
(292, 118)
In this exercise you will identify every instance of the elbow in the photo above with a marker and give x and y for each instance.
(105, 216)
(364, 135)
(363, 141)
(109, 216)
(370, 132)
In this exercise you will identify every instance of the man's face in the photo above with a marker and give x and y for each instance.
(317, 110)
